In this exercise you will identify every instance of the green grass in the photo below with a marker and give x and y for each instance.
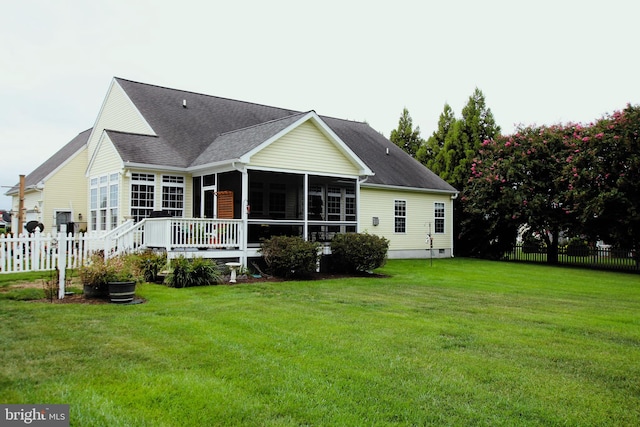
(465, 342)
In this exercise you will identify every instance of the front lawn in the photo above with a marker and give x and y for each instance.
(464, 342)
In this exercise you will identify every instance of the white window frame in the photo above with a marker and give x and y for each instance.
(173, 199)
(142, 207)
(439, 217)
(104, 194)
(400, 216)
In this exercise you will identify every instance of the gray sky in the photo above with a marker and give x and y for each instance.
(537, 62)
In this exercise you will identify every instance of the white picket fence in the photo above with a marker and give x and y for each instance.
(40, 252)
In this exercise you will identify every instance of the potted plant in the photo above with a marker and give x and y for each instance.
(121, 278)
(94, 277)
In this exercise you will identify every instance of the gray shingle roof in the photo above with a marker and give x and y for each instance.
(42, 171)
(212, 129)
(232, 145)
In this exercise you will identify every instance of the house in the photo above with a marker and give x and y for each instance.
(55, 193)
(177, 162)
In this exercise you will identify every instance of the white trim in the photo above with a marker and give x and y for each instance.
(411, 189)
(157, 168)
(302, 172)
(208, 166)
(104, 103)
(406, 216)
(326, 130)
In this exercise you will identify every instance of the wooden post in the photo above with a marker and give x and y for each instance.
(21, 206)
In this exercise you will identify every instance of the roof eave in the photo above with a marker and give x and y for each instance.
(412, 189)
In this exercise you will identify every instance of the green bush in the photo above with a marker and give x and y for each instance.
(577, 247)
(150, 264)
(358, 252)
(186, 273)
(532, 245)
(204, 272)
(288, 256)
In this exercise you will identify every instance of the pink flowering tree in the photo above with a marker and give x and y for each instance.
(605, 174)
(522, 179)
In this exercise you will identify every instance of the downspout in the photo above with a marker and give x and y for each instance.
(358, 201)
(453, 197)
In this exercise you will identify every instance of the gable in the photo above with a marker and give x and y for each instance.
(105, 159)
(305, 148)
(118, 113)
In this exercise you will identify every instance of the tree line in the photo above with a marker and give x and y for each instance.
(568, 180)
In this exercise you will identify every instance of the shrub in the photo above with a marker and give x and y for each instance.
(186, 273)
(150, 264)
(288, 256)
(577, 247)
(204, 272)
(358, 252)
(532, 245)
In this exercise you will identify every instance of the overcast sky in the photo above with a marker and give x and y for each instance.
(537, 62)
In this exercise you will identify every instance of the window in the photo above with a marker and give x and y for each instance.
(173, 194)
(334, 199)
(350, 204)
(142, 194)
(94, 205)
(113, 199)
(104, 195)
(439, 217)
(400, 215)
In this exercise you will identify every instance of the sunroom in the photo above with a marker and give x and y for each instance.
(312, 206)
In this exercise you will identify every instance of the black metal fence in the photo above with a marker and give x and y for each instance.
(596, 258)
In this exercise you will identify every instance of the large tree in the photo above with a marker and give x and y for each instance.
(605, 176)
(405, 136)
(453, 162)
(430, 150)
(522, 179)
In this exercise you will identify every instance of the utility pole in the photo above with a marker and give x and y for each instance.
(21, 206)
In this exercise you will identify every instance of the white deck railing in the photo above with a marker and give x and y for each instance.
(171, 233)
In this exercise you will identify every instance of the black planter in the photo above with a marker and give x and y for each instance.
(122, 292)
(91, 291)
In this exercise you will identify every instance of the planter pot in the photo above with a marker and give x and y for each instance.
(122, 292)
(90, 291)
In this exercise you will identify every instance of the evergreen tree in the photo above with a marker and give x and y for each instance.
(405, 136)
(428, 152)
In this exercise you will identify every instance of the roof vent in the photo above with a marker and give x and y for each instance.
(387, 151)
(184, 103)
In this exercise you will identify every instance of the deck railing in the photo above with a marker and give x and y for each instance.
(201, 233)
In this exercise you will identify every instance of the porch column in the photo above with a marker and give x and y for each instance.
(305, 204)
(245, 214)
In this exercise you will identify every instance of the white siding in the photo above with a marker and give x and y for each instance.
(420, 213)
(118, 113)
(305, 148)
